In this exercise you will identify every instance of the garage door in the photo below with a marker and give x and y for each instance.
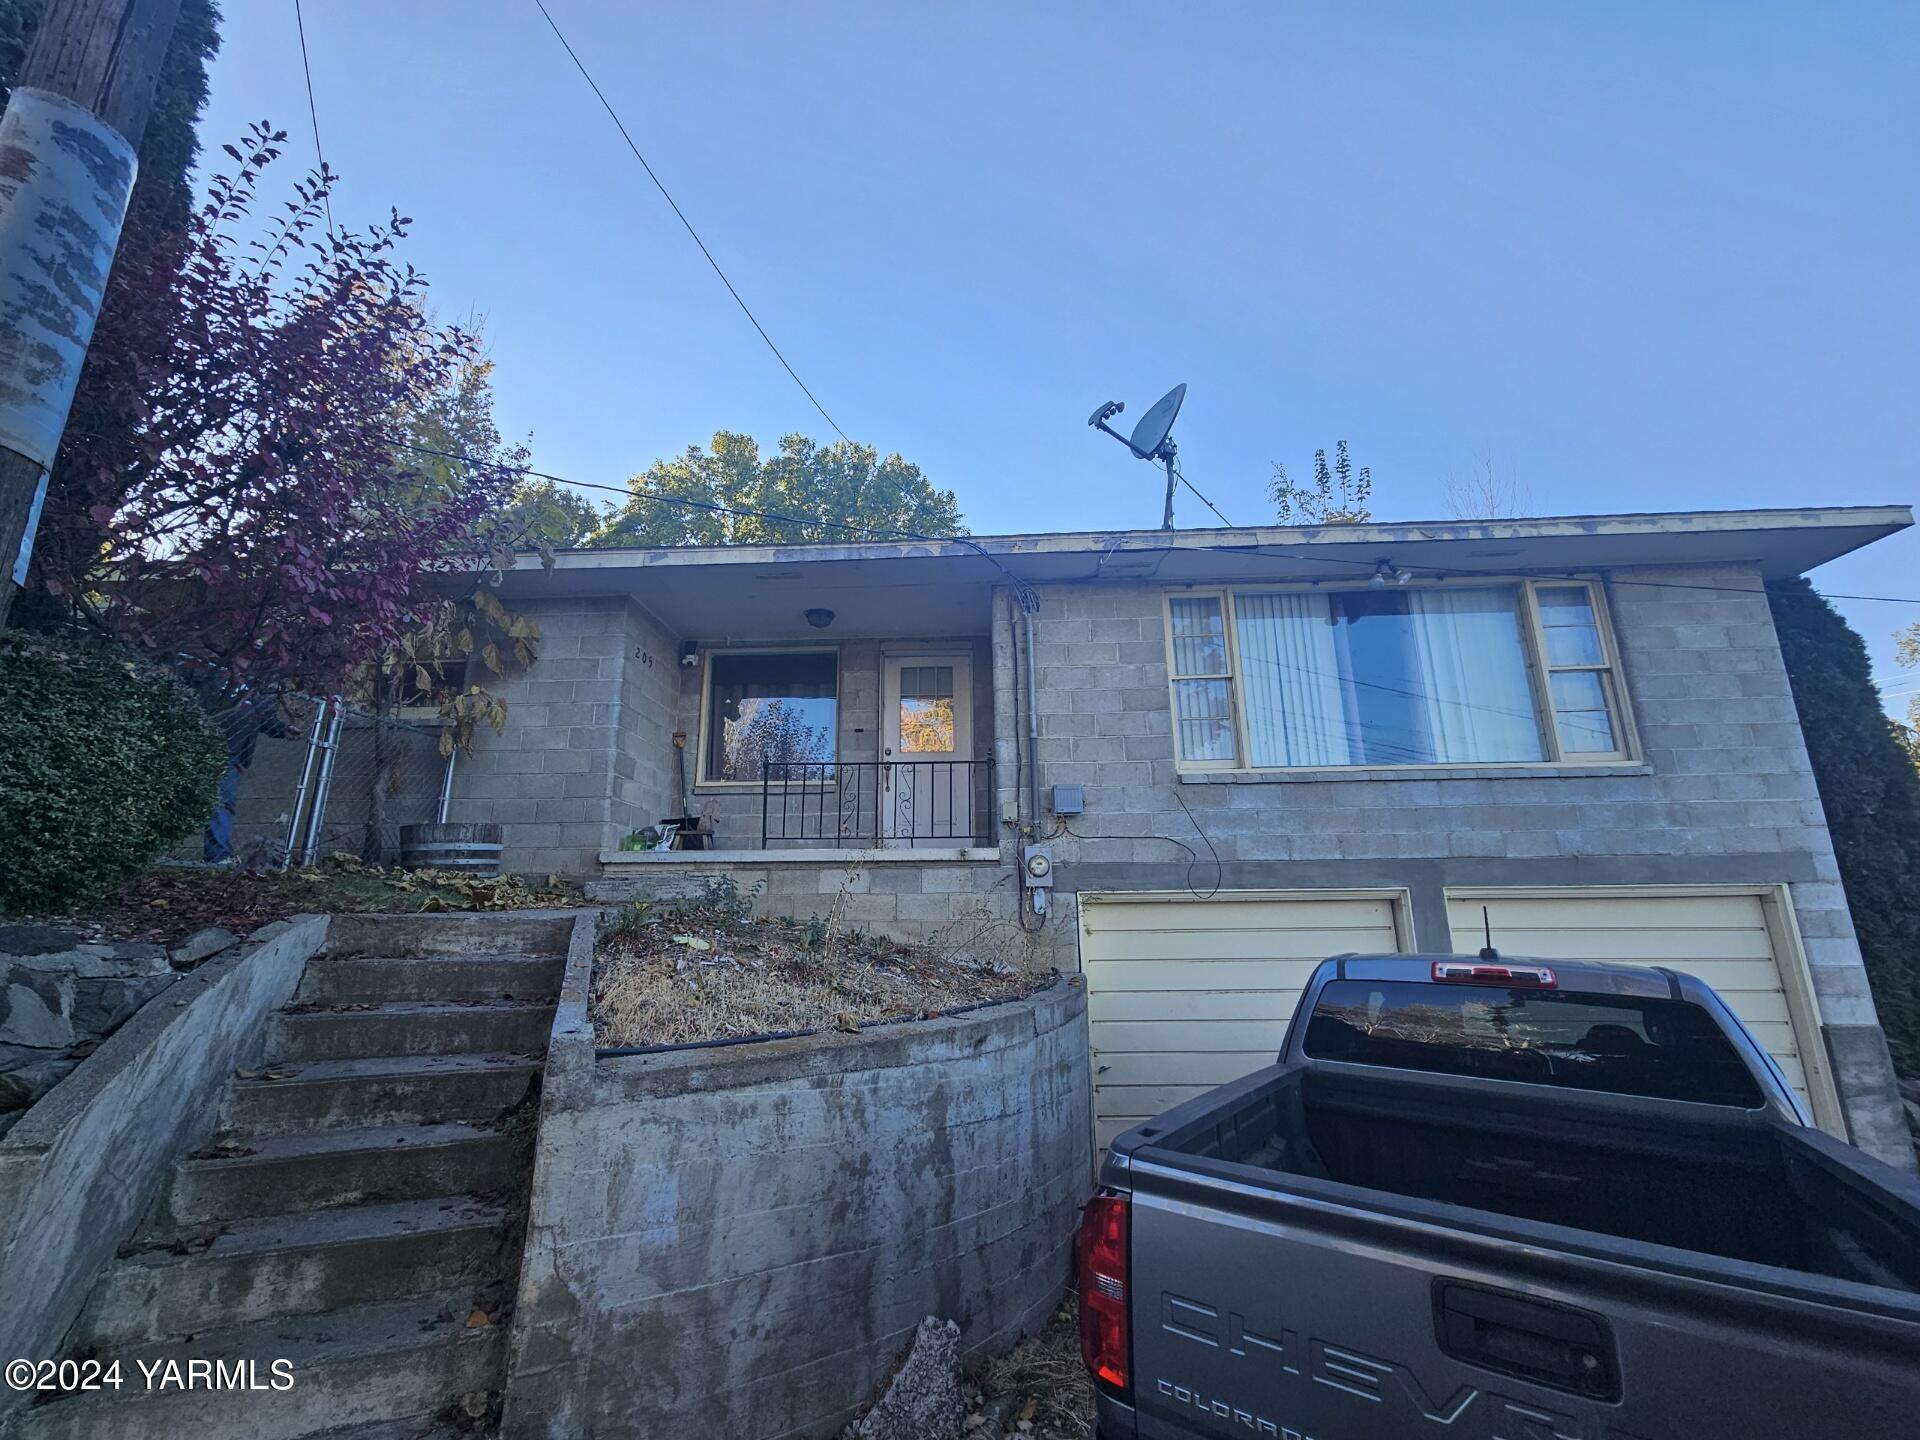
(1736, 941)
(1185, 994)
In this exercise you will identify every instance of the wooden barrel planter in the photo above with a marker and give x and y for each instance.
(472, 849)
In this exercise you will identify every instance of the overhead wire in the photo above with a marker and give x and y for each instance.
(313, 113)
(968, 542)
(666, 194)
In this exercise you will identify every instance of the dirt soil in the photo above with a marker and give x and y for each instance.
(1044, 1382)
(167, 903)
(678, 971)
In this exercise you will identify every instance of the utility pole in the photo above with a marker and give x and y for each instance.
(68, 147)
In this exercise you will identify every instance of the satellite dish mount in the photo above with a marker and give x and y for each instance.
(1152, 438)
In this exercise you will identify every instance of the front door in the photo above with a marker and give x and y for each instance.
(927, 778)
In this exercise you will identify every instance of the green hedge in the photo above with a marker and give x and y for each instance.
(104, 765)
(1871, 796)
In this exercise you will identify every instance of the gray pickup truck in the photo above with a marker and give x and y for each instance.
(1488, 1199)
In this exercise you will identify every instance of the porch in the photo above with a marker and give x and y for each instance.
(845, 744)
(786, 703)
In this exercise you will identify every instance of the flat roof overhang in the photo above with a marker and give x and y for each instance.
(910, 588)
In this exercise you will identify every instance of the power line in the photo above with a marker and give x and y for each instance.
(313, 112)
(1021, 587)
(744, 309)
(968, 542)
(1253, 552)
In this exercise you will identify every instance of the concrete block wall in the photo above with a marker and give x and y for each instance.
(644, 783)
(962, 909)
(741, 1241)
(1725, 793)
(583, 742)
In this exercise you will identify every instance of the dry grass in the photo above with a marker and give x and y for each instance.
(166, 903)
(1046, 1380)
(704, 969)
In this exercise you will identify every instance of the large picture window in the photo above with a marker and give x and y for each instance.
(1424, 675)
(762, 707)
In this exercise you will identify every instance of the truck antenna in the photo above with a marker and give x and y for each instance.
(1487, 952)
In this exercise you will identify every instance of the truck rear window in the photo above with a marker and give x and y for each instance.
(1624, 1045)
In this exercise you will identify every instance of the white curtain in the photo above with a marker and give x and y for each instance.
(1292, 681)
(1473, 675)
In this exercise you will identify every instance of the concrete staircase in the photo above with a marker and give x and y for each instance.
(363, 1198)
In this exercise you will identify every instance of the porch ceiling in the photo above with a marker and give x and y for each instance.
(912, 588)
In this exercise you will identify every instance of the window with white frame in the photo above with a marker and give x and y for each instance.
(1467, 674)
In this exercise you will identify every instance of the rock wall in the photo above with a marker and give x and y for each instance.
(61, 995)
(741, 1240)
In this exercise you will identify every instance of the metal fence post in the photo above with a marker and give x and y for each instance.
(317, 812)
(306, 778)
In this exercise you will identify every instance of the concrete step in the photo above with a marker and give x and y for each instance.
(417, 1028)
(280, 1175)
(300, 1265)
(497, 932)
(425, 1427)
(382, 1090)
(366, 1371)
(432, 977)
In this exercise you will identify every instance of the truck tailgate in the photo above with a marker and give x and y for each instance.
(1300, 1310)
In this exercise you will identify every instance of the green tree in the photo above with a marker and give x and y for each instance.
(827, 487)
(1870, 792)
(1339, 494)
(550, 515)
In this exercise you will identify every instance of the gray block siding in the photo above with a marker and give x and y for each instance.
(740, 1242)
(588, 750)
(587, 755)
(1726, 794)
(962, 909)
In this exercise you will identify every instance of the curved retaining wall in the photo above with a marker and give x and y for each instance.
(739, 1241)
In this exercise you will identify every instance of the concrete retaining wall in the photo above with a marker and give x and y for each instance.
(79, 1171)
(740, 1241)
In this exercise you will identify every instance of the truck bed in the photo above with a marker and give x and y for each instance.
(1761, 1192)
(1485, 1199)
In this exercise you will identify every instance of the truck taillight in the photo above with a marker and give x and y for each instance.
(1460, 972)
(1100, 1271)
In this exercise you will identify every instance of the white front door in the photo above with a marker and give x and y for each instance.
(927, 782)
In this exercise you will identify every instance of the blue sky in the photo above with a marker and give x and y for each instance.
(1647, 256)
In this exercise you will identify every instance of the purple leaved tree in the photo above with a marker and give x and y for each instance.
(264, 515)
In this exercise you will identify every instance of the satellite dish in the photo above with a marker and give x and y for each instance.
(1152, 431)
(1152, 437)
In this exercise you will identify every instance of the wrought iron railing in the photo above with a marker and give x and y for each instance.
(876, 802)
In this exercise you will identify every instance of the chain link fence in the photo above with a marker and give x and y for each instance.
(331, 777)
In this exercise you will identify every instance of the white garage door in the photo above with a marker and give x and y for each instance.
(1733, 940)
(1185, 994)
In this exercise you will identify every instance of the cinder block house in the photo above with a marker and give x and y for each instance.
(1237, 751)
